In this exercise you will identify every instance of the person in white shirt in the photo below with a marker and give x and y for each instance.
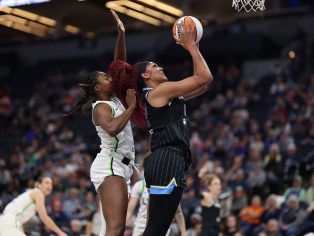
(24, 207)
(113, 166)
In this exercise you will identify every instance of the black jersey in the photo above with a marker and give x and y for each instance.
(171, 155)
(168, 124)
(211, 220)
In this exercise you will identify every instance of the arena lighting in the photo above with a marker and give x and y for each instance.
(14, 3)
(114, 5)
(163, 6)
(27, 23)
(148, 11)
(71, 29)
(38, 18)
(20, 27)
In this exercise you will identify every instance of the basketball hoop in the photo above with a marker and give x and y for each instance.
(249, 5)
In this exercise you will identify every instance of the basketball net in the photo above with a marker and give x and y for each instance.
(249, 5)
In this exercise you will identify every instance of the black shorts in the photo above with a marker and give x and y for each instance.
(166, 169)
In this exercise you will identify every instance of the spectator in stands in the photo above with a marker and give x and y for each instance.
(57, 214)
(231, 226)
(72, 204)
(278, 88)
(292, 216)
(271, 212)
(291, 164)
(271, 228)
(251, 215)
(272, 166)
(296, 189)
(76, 228)
(239, 200)
(256, 180)
(195, 225)
(308, 225)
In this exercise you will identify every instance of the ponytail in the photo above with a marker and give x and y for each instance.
(87, 92)
(125, 77)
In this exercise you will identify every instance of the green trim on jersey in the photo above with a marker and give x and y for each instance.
(143, 187)
(20, 214)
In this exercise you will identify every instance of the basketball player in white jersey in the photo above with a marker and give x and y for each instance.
(24, 207)
(113, 165)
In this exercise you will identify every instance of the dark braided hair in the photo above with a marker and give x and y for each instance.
(87, 92)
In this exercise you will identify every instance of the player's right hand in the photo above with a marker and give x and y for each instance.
(187, 36)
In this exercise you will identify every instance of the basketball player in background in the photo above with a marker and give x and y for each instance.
(165, 111)
(210, 206)
(140, 195)
(24, 207)
(113, 166)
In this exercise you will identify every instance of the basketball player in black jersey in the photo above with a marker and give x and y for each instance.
(210, 206)
(165, 112)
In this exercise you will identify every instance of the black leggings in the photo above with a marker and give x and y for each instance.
(162, 209)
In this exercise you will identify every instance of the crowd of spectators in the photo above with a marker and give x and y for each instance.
(268, 184)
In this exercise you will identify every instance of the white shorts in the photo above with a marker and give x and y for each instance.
(8, 226)
(109, 164)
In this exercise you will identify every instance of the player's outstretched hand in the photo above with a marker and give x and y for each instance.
(120, 25)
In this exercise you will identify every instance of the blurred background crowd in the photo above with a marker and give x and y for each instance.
(257, 135)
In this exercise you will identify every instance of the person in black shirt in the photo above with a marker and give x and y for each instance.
(165, 113)
(210, 206)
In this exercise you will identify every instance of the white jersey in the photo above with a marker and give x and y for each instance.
(22, 208)
(139, 191)
(122, 143)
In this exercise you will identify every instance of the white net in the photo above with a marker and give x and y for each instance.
(248, 5)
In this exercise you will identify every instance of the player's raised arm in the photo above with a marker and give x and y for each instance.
(120, 49)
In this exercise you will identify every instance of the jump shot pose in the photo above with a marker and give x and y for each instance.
(166, 119)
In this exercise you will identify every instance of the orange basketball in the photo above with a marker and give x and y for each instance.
(188, 21)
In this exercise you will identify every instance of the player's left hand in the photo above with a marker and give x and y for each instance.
(120, 25)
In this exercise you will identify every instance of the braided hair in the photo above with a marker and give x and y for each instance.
(87, 92)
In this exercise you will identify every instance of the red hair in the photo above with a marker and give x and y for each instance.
(123, 77)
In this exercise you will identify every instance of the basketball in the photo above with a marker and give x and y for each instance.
(189, 21)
